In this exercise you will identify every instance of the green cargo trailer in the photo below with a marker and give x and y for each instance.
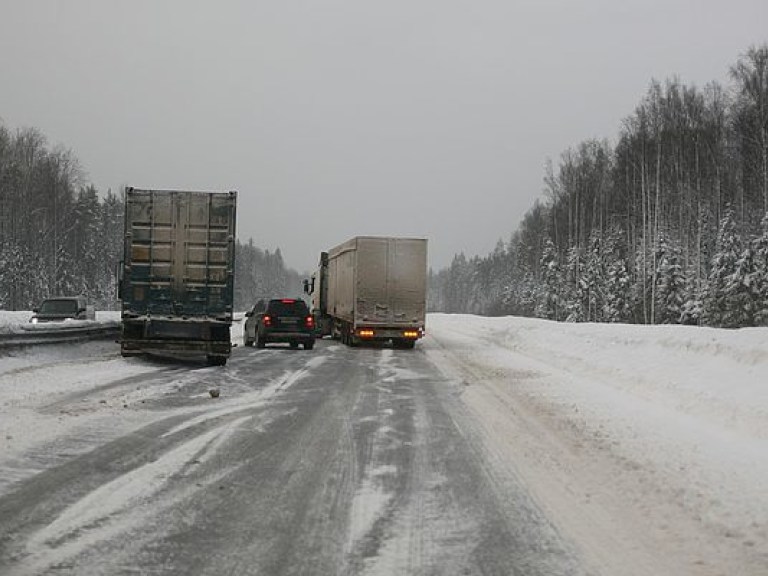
(177, 276)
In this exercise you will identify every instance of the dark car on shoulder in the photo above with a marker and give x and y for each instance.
(63, 308)
(286, 320)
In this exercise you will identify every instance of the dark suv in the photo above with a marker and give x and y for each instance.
(280, 320)
(63, 308)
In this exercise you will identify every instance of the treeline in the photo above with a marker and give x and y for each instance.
(262, 274)
(669, 225)
(59, 236)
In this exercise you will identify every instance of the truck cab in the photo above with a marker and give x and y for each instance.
(316, 287)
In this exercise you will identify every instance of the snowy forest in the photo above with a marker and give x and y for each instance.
(60, 236)
(667, 225)
(262, 274)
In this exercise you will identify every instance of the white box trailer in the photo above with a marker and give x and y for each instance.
(372, 288)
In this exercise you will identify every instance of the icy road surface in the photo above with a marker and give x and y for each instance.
(498, 446)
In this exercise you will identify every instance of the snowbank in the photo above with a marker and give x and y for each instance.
(672, 420)
(719, 376)
(14, 322)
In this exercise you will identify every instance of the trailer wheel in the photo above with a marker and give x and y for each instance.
(346, 336)
(260, 343)
(352, 340)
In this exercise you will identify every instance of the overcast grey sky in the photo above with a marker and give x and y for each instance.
(429, 118)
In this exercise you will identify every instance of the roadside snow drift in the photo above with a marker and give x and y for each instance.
(19, 322)
(666, 426)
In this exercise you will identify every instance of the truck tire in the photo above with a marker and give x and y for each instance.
(260, 343)
(309, 345)
(216, 360)
(347, 337)
(404, 344)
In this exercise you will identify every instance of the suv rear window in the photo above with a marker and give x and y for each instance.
(288, 307)
(59, 307)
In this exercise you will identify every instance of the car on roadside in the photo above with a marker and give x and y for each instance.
(286, 320)
(63, 308)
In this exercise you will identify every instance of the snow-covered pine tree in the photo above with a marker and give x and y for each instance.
(670, 282)
(497, 270)
(476, 288)
(110, 242)
(456, 291)
(5, 261)
(593, 279)
(760, 249)
(616, 302)
(85, 243)
(691, 312)
(574, 288)
(741, 291)
(550, 304)
(724, 264)
(640, 289)
(528, 295)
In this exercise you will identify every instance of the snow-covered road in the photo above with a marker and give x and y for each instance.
(498, 446)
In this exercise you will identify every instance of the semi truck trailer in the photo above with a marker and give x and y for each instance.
(371, 289)
(176, 278)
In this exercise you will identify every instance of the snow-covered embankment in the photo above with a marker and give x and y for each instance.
(647, 442)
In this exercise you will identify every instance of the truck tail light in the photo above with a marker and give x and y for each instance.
(366, 333)
(267, 320)
(309, 322)
(411, 334)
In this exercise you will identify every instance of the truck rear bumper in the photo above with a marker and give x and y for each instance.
(177, 348)
(176, 338)
(389, 332)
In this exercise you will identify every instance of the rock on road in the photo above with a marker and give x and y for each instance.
(331, 461)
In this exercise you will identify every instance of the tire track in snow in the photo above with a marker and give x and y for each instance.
(252, 400)
(389, 507)
(372, 499)
(123, 504)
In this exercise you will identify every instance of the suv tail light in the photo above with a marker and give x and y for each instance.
(309, 322)
(267, 320)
